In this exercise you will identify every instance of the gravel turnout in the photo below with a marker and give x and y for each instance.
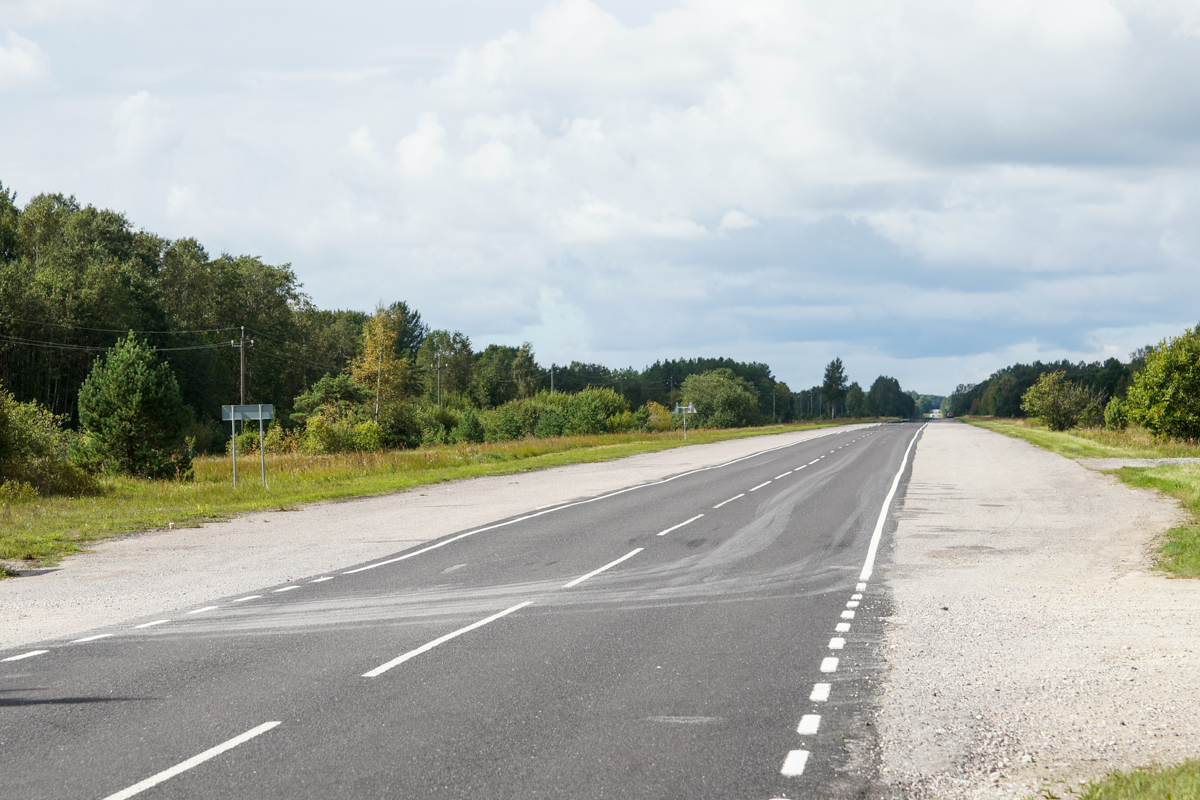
(1031, 646)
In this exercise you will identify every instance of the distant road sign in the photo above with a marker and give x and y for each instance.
(241, 413)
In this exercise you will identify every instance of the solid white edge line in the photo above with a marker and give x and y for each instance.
(873, 549)
(92, 638)
(152, 624)
(585, 502)
(196, 760)
(425, 648)
(730, 500)
(609, 565)
(756, 488)
(680, 525)
(809, 725)
(793, 765)
(25, 655)
(820, 692)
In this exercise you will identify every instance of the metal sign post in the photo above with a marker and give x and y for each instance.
(259, 412)
(685, 410)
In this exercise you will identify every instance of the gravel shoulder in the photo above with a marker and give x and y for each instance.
(161, 571)
(1029, 641)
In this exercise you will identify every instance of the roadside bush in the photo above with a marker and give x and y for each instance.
(722, 399)
(627, 421)
(469, 428)
(1116, 415)
(658, 417)
(1165, 395)
(35, 453)
(590, 410)
(435, 424)
(325, 432)
(551, 422)
(133, 416)
(1059, 403)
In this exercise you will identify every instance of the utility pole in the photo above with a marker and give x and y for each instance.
(439, 371)
(241, 345)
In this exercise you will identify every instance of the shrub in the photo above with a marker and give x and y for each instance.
(133, 416)
(1165, 395)
(722, 399)
(590, 410)
(469, 428)
(35, 453)
(624, 422)
(551, 422)
(1116, 415)
(658, 417)
(325, 432)
(1059, 403)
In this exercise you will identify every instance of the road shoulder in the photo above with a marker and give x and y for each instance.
(1030, 642)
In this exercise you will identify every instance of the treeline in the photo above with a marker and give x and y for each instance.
(1000, 395)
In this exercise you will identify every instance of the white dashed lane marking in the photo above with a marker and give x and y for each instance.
(829, 664)
(843, 627)
(820, 692)
(793, 765)
(425, 648)
(30, 654)
(152, 624)
(320, 580)
(837, 643)
(244, 599)
(730, 500)
(761, 485)
(202, 610)
(809, 724)
(607, 566)
(92, 638)
(680, 525)
(285, 589)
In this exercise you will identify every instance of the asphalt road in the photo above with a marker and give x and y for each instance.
(708, 636)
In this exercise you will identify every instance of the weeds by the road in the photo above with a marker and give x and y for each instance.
(1179, 555)
(40, 531)
(1147, 783)
(1133, 442)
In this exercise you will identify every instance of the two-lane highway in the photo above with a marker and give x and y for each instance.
(707, 636)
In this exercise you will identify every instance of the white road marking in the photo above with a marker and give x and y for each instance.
(843, 627)
(609, 565)
(847, 615)
(680, 525)
(730, 500)
(861, 587)
(809, 724)
(285, 589)
(837, 643)
(152, 624)
(829, 664)
(820, 692)
(30, 654)
(851, 604)
(425, 648)
(793, 765)
(873, 548)
(322, 580)
(856, 597)
(536, 513)
(92, 638)
(784, 475)
(244, 599)
(756, 488)
(815, 460)
(184, 766)
(200, 610)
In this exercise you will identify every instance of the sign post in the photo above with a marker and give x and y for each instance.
(685, 410)
(260, 412)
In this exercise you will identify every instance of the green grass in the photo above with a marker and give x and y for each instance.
(1181, 782)
(1179, 555)
(43, 530)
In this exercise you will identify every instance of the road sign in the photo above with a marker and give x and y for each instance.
(247, 412)
(235, 414)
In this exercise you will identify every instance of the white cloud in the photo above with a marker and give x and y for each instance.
(734, 220)
(144, 127)
(22, 62)
(421, 152)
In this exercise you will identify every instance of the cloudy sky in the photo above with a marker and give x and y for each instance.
(929, 190)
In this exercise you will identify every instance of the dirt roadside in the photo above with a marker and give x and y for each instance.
(160, 572)
(1030, 645)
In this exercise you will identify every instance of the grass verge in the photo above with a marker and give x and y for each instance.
(1179, 555)
(1146, 783)
(39, 532)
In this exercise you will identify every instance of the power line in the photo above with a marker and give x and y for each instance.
(110, 330)
(64, 346)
